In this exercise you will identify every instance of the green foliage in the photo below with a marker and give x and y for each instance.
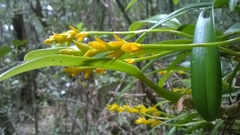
(130, 4)
(203, 41)
(4, 50)
(232, 4)
(173, 23)
(175, 2)
(18, 42)
(207, 87)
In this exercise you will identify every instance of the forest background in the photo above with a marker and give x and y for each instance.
(49, 101)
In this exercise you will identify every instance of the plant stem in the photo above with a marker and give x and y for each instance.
(167, 30)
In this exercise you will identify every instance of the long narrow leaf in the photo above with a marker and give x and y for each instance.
(174, 15)
(66, 60)
(130, 4)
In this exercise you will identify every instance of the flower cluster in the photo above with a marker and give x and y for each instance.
(65, 37)
(73, 71)
(152, 122)
(113, 49)
(139, 109)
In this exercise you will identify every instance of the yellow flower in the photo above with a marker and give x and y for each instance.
(183, 90)
(129, 109)
(73, 71)
(163, 72)
(130, 61)
(100, 71)
(153, 109)
(88, 72)
(115, 54)
(49, 41)
(81, 46)
(179, 89)
(154, 122)
(80, 36)
(142, 120)
(112, 107)
(157, 113)
(91, 52)
(120, 109)
(131, 47)
(63, 37)
(118, 43)
(181, 72)
(142, 109)
(73, 30)
(100, 45)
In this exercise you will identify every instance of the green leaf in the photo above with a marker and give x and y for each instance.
(42, 52)
(197, 127)
(174, 14)
(130, 4)
(206, 78)
(220, 3)
(18, 42)
(188, 118)
(188, 28)
(232, 4)
(232, 29)
(173, 23)
(4, 50)
(172, 130)
(175, 2)
(217, 126)
(79, 26)
(67, 60)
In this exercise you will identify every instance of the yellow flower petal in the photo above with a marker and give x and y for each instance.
(91, 52)
(154, 122)
(181, 72)
(129, 109)
(88, 72)
(74, 29)
(99, 40)
(100, 71)
(163, 72)
(142, 120)
(73, 71)
(112, 107)
(131, 47)
(120, 109)
(80, 36)
(130, 61)
(49, 41)
(98, 46)
(81, 46)
(115, 54)
(118, 38)
(116, 44)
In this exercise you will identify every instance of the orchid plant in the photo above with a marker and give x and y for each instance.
(69, 51)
